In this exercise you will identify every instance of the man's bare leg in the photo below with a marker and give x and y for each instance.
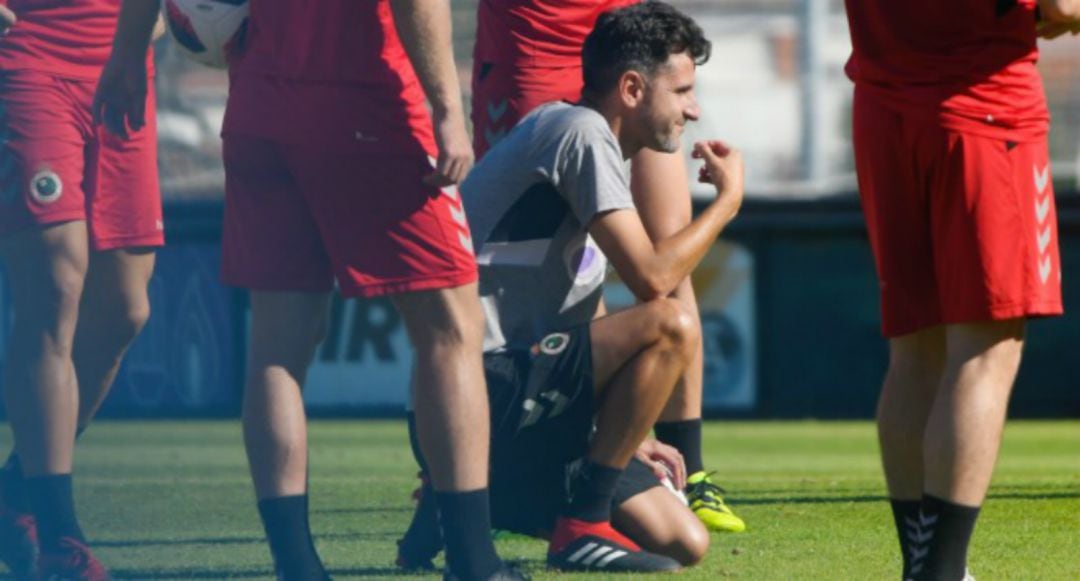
(286, 327)
(638, 354)
(115, 307)
(916, 366)
(963, 436)
(46, 268)
(446, 328)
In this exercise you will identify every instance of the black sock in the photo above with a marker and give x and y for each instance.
(285, 520)
(466, 526)
(423, 541)
(684, 436)
(591, 491)
(13, 486)
(53, 505)
(944, 532)
(906, 518)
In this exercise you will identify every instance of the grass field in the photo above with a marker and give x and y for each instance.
(171, 500)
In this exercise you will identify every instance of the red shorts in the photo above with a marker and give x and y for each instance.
(963, 227)
(502, 94)
(297, 218)
(57, 166)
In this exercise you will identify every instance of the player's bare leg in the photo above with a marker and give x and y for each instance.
(963, 436)
(659, 522)
(638, 355)
(916, 365)
(286, 327)
(661, 191)
(46, 268)
(115, 307)
(446, 328)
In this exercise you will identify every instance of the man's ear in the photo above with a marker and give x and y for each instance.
(632, 87)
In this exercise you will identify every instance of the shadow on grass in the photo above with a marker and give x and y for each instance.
(751, 500)
(189, 574)
(387, 536)
(363, 510)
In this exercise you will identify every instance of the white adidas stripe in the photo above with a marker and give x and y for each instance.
(596, 555)
(608, 559)
(582, 552)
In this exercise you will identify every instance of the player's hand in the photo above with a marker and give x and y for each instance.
(1050, 29)
(455, 149)
(723, 169)
(159, 29)
(120, 99)
(665, 461)
(7, 19)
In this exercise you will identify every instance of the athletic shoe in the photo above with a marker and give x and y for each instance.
(73, 562)
(18, 533)
(707, 502)
(583, 546)
(505, 574)
(18, 543)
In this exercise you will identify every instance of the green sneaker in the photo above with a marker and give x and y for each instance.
(707, 501)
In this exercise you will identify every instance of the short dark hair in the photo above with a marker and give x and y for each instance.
(640, 37)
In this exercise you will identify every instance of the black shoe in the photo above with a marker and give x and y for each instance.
(595, 553)
(505, 574)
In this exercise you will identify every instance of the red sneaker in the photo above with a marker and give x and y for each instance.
(73, 562)
(584, 546)
(18, 543)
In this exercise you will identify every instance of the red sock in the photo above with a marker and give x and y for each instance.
(569, 529)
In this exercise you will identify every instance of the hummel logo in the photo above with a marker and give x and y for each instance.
(466, 241)
(1042, 208)
(927, 521)
(458, 214)
(1042, 178)
(918, 536)
(535, 410)
(451, 192)
(496, 111)
(1044, 269)
(1044, 239)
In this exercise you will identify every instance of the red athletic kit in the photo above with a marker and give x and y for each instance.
(528, 52)
(950, 138)
(55, 165)
(327, 137)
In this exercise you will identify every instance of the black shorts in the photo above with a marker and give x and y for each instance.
(542, 412)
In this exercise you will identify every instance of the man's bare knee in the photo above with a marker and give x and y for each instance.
(677, 325)
(442, 320)
(693, 544)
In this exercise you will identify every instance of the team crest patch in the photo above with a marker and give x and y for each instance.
(554, 343)
(46, 187)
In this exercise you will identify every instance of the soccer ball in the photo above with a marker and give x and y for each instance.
(207, 31)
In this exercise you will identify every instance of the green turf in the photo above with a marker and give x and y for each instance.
(172, 500)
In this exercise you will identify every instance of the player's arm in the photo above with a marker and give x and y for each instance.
(120, 99)
(425, 31)
(7, 18)
(653, 269)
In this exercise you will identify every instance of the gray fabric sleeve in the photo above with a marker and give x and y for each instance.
(592, 176)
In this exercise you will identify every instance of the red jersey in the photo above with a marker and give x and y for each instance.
(537, 33)
(332, 74)
(66, 38)
(969, 64)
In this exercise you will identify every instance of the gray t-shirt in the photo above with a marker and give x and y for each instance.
(529, 202)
